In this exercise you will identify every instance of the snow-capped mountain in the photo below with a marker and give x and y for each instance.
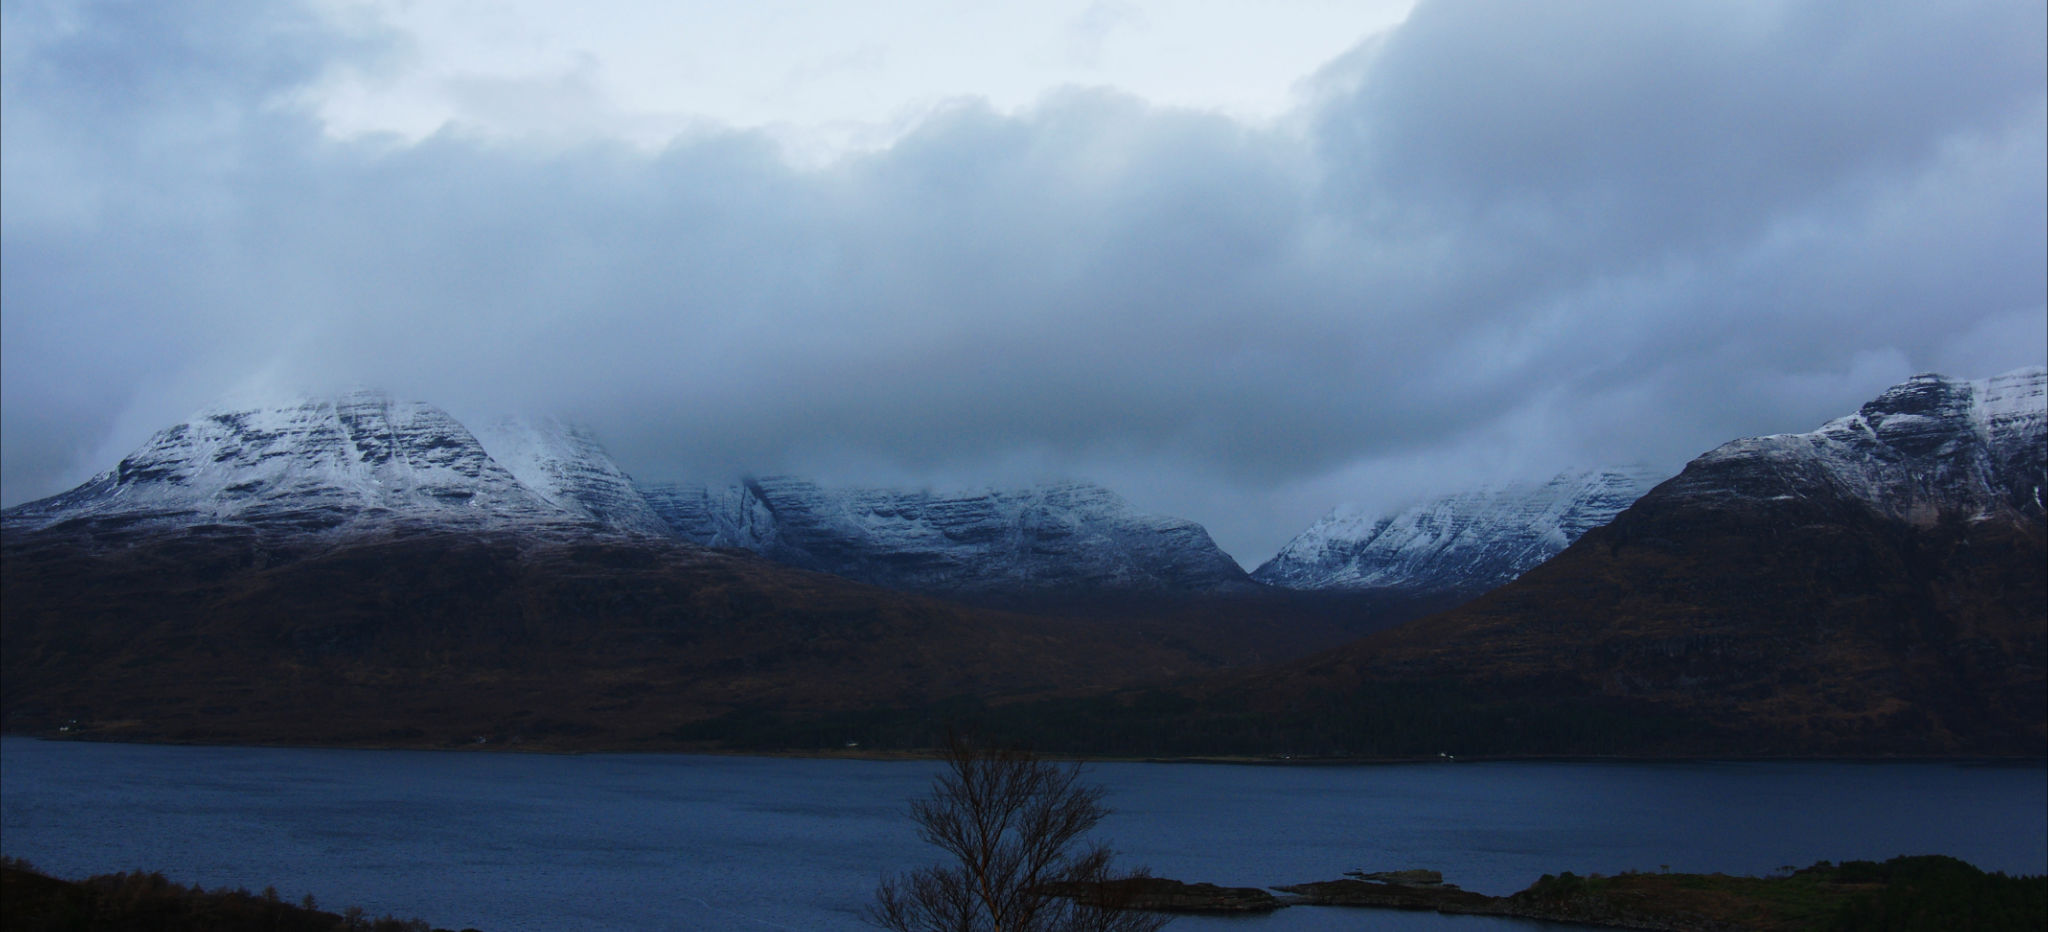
(364, 461)
(1929, 448)
(310, 464)
(566, 466)
(1063, 536)
(1461, 544)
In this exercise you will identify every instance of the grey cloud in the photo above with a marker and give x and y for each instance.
(1513, 239)
(1694, 116)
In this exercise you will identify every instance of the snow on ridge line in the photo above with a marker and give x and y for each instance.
(364, 459)
(359, 456)
(2018, 395)
(2014, 403)
(1065, 533)
(565, 465)
(2021, 393)
(1466, 541)
(1923, 448)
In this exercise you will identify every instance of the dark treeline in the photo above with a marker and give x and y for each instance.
(1920, 893)
(32, 901)
(1939, 893)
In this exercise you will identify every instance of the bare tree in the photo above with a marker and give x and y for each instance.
(1011, 824)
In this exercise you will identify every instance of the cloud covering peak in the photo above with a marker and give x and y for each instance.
(1496, 242)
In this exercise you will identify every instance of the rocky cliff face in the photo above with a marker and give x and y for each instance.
(1068, 537)
(1928, 448)
(714, 516)
(1463, 544)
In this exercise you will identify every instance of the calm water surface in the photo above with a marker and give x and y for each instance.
(528, 842)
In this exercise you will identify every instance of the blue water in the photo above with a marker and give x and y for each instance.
(509, 842)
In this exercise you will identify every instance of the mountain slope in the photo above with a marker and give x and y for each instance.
(433, 638)
(565, 465)
(1460, 545)
(364, 570)
(1057, 538)
(1879, 584)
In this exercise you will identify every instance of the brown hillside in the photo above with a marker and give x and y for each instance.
(431, 638)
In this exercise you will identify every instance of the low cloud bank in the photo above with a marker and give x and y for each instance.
(1500, 241)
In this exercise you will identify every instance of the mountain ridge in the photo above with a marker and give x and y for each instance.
(1460, 544)
(1876, 585)
(1058, 535)
(363, 461)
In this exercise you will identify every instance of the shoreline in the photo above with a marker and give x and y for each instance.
(1823, 896)
(934, 753)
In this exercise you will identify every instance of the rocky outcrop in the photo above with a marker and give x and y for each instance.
(1438, 896)
(1158, 894)
(1927, 449)
(1412, 877)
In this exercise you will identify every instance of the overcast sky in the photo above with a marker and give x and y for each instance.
(1241, 262)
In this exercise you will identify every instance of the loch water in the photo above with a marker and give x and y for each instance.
(514, 842)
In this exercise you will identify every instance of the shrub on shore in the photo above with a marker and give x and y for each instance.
(36, 902)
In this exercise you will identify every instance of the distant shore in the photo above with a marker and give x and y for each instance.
(901, 754)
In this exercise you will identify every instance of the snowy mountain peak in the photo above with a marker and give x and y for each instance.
(1926, 448)
(1463, 543)
(311, 464)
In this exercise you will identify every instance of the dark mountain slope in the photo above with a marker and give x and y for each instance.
(1832, 632)
(426, 638)
(1879, 585)
(364, 569)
